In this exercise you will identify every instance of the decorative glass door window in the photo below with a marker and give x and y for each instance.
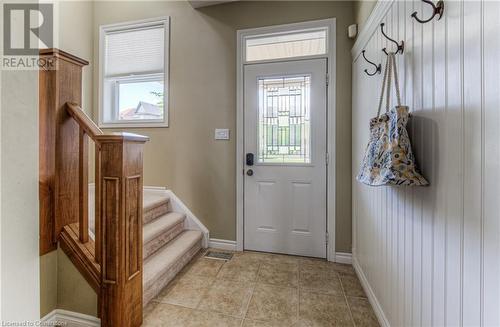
(284, 120)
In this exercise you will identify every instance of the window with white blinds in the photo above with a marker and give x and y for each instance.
(134, 74)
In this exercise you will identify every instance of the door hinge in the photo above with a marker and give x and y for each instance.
(326, 238)
(327, 79)
(327, 158)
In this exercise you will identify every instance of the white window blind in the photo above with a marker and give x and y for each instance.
(135, 51)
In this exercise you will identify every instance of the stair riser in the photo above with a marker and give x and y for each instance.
(159, 241)
(153, 213)
(152, 289)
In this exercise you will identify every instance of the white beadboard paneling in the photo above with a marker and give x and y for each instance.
(438, 237)
(453, 162)
(430, 255)
(472, 62)
(491, 159)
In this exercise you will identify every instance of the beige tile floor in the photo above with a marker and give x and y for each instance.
(261, 290)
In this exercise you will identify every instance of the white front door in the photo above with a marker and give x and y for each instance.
(285, 142)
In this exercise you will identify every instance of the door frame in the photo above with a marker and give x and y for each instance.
(330, 25)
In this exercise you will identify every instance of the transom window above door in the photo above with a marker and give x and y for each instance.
(134, 74)
(286, 45)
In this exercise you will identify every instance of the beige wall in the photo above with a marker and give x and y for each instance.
(63, 287)
(362, 10)
(184, 157)
(19, 273)
(19, 259)
(75, 21)
(58, 278)
(73, 291)
(48, 283)
(59, 282)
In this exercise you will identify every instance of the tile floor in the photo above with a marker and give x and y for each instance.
(260, 289)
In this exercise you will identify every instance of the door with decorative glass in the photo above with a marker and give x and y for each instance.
(285, 142)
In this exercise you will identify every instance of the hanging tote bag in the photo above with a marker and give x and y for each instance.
(389, 158)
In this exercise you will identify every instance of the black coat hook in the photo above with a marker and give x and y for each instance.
(438, 10)
(401, 47)
(378, 68)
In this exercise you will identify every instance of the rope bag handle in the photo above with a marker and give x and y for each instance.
(390, 67)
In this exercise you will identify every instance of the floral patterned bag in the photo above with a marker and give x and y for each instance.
(389, 158)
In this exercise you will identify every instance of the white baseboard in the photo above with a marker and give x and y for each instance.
(340, 257)
(70, 319)
(222, 244)
(343, 257)
(377, 308)
(191, 222)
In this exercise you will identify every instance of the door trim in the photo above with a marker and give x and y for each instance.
(330, 24)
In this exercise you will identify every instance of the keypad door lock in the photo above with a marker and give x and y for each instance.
(249, 159)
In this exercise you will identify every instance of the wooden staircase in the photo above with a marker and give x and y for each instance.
(124, 272)
(167, 244)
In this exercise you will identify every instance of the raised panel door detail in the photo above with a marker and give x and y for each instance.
(267, 213)
(301, 204)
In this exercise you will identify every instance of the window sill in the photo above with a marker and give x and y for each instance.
(133, 125)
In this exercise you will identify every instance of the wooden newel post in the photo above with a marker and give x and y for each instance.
(120, 192)
(60, 81)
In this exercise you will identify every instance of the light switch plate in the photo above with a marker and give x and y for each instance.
(222, 134)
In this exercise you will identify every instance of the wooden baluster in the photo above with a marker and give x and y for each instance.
(83, 172)
(120, 175)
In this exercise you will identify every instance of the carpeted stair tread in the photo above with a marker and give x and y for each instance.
(161, 225)
(168, 255)
(152, 201)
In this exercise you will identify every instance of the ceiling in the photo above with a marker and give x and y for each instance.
(205, 3)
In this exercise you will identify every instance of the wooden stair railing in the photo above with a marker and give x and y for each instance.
(74, 238)
(112, 262)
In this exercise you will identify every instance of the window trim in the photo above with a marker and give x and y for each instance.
(111, 28)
